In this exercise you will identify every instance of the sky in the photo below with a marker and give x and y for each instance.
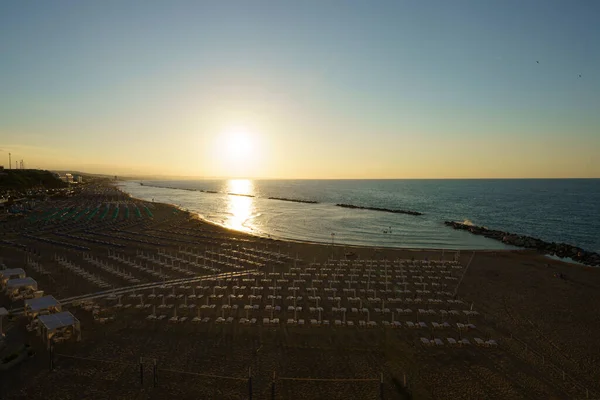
(303, 89)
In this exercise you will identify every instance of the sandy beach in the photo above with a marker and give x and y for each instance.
(535, 316)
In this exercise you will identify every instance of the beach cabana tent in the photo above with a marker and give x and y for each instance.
(42, 305)
(13, 273)
(59, 326)
(16, 286)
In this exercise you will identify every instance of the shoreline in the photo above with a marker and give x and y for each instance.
(274, 238)
(432, 233)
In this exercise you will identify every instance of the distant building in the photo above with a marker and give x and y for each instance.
(78, 178)
(66, 178)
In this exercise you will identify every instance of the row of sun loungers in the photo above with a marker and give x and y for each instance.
(111, 270)
(83, 273)
(458, 342)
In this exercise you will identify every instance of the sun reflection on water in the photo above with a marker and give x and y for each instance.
(240, 208)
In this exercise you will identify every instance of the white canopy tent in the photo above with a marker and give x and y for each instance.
(7, 274)
(16, 286)
(58, 327)
(42, 305)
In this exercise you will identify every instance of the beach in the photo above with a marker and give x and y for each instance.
(533, 315)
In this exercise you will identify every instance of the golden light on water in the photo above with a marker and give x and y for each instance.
(240, 208)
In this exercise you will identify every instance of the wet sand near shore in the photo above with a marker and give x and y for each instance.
(543, 323)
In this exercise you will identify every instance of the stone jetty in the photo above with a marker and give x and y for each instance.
(380, 209)
(293, 200)
(241, 194)
(558, 249)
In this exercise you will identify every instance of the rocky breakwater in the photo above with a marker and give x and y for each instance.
(380, 209)
(293, 200)
(558, 249)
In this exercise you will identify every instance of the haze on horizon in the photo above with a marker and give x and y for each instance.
(307, 89)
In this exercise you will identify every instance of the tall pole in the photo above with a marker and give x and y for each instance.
(249, 383)
(463, 275)
(9, 161)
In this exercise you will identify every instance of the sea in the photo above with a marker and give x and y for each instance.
(559, 210)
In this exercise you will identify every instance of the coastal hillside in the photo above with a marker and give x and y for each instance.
(19, 179)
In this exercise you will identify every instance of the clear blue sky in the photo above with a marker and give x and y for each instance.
(315, 88)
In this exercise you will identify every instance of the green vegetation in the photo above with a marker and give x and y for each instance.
(20, 179)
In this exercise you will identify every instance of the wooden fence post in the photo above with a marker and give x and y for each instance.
(250, 383)
(51, 354)
(141, 372)
(273, 387)
(381, 387)
(154, 374)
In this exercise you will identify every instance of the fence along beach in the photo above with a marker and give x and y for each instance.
(173, 306)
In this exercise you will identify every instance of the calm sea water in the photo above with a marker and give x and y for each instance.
(561, 210)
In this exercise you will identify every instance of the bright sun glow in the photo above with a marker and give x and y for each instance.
(237, 151)
(238, 145)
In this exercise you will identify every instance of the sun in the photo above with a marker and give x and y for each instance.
(238, 144)
(237, 151)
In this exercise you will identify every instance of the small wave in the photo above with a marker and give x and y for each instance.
(468, 222)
